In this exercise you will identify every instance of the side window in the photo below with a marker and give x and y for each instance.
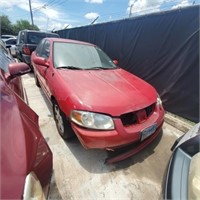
(11, 41)
(46, 49)
(39, 48)
(22, 37)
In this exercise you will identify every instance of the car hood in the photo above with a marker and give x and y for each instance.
(113, 91)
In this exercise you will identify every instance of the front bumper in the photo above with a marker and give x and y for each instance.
(120, 136)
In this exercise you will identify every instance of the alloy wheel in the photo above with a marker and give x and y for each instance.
(59, 120)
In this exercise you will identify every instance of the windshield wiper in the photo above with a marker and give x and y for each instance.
(99, 68)
(69, 67)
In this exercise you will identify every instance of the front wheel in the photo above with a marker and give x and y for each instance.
(62, 124)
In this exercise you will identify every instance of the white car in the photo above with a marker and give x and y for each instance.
(11, 44)
(5, 37)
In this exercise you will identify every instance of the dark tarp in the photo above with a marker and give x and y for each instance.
(161, 48)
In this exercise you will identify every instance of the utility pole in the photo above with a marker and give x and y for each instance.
(31, 12)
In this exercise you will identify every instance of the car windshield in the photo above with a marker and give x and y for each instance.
(11, 41)
(5, 37)
(36, 37)
(80, 56)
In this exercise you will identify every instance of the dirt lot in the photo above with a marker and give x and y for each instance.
(82, 174)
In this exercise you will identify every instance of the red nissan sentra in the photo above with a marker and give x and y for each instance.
(26, 160)
(106, 106)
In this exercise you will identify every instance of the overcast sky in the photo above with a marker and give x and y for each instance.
(59, 14)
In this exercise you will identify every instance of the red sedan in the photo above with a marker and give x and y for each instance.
(106, 106)
(26, 160)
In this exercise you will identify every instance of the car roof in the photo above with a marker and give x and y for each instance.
(69, 41)
(12, 36)
(10, 39)
(34, 31)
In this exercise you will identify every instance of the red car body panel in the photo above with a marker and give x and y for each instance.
(23, 148)
(119, 137)
(16, 85)
(97, 90)
(135, 149)
(113, 92)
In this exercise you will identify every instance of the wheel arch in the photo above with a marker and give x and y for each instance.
(68, 131)
(53, 99)
(66, 102)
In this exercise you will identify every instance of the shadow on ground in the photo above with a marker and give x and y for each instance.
(93, 160)
(53, 190)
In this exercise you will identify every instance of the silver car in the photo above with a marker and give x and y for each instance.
(11, 43)
(183, 175)
(5, 37)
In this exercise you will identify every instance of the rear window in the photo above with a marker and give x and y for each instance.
(35, 38)
(11, 41)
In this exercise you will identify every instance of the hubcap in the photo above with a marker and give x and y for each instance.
(59, 120)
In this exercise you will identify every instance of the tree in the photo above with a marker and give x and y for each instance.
(5, 26)
(23, 24)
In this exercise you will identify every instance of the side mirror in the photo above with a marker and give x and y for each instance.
(40, 61)
(115, 62)
(18, 69)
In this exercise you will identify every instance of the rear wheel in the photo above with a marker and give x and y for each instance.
(62, 124)
(36, 80)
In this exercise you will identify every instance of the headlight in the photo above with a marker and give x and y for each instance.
(92, 120)
(33, 188)
(159, 101)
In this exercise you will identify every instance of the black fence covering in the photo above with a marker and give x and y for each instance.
(161, 48)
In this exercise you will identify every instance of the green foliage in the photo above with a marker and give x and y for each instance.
(7, 28)
(23, 24)
(5, 25)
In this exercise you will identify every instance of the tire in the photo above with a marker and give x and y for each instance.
(31, 67)
(62, 124)
(36, 80)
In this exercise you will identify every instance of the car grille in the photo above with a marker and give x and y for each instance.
(138, 116)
